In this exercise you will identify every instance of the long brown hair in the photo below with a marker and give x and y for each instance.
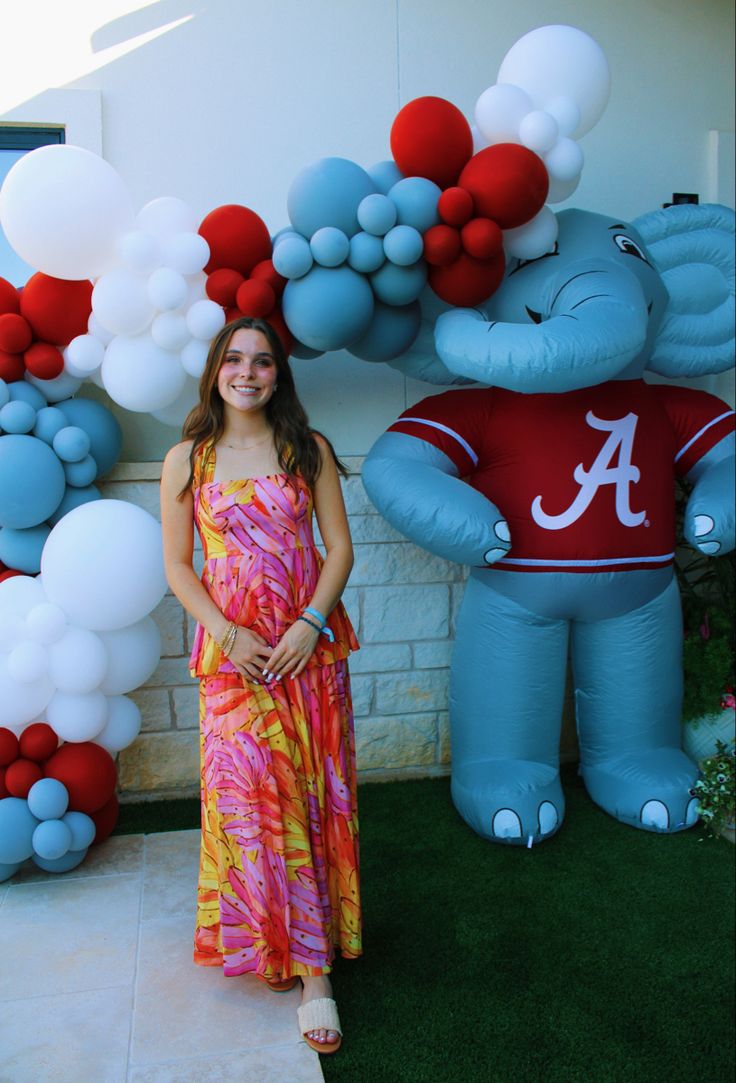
(296, 447)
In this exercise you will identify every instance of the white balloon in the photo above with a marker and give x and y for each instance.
(120, 302)
(560, 61)
(565, 112)
(167, 289)
(166, 215)
(19, 594)
(12, 630)
(559, 190)
(500, 110)
(61, 387)
(96, 329)
(46, 623)
(123, 724)
(103, 564)
(78, 661)
(538, 131)
(77, 716)
(28, 661)
(205, 319)
(21, 701)
(534, 238)
(139, 375)
(196, 288)
(565, 161)
(169, 330)
(185, 252)
(176, 412)
(133, 654)
(84, 355)
(479, 140)
(62, 208)
(194, 357)
(139, 251)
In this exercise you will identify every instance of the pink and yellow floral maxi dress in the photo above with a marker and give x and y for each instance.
(278, 882)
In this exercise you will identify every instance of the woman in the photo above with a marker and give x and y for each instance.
(278, 883)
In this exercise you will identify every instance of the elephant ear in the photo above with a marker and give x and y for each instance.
(693, 249)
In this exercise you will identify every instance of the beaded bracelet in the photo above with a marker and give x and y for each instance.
(324, 630)
(228, 640)
(310, 623)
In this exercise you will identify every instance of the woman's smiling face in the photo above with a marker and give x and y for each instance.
(248, 372)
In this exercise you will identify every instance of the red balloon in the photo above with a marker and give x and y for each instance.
(467, 281)
(279, 325)
(105, 819)
(4, 791)
(431, 138)
(265, 270)
(441, 245)
(44, 361)
(20, 776)
(255, 297)
(455, 206)
(9, 572)
(508, 183)
(11, 366)
(38, 741)
(237, 237)
(222, 286)
(88, 772)
(231, 314)
(8, 746)
(9, 300)
(482, 238)
(15, 333)
(57, 309)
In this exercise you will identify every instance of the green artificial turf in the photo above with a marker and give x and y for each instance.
(604, 955)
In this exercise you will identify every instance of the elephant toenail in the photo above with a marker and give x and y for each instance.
(501, 530)
(492, 555)
(702, 524)
(655, 814)
(506, 824)
(548, 818)
(692, 813)
(709, 548)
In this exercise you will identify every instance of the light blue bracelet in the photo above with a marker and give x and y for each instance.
(327, 632)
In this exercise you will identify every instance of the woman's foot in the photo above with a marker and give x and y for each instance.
(322, 1038)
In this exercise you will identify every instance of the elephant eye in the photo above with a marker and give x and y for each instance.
(631, 248)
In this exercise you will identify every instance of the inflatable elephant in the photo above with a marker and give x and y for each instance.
(555, 483)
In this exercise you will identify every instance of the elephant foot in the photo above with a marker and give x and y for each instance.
(649, 790)
(518, 802)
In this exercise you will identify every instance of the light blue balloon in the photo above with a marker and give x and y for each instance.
(6, 871)
(82, 828)
(32, 481)
(392, 331)
(69, 861)
(52, 839)
(403, 245)
(328, 193)
(21, 549)
(399, 285)
(48, 799)
(81, 474)
(385, 175)
(416, 202)
(304, 353)
(105, 434)
(71, 444)
(366, 253)
(22, 391)
(377, 214)
(287, 231)
(73, 498)
(49, 421)
(17, 824)
(17, 417)
(330, 246)
(292, 257)
(4, 392)
(329, 308)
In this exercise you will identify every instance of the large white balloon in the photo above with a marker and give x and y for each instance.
(120, 302)
(139, 375)
(165, 216)
(123, 724)
(78, 662)
(133, 654)
(103, 564)
(77, 716)
(62, 209)
(553, 62)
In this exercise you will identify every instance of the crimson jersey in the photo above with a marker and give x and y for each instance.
(585, 478)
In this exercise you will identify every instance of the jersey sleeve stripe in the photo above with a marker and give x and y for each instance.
(701, 432)
(458, 440)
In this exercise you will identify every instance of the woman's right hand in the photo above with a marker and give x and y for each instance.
(249, 654)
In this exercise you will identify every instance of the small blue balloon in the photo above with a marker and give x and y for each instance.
(399, 285)
(17, 417)
(287, 231)
(366, 253)
(32, 481)
(392, 331)
(377, 214)
(69, 861)
(49, 421)
(73, 498)
(81, 474)
(328, 308)
(71, 444)
(328, 193)
(329, 246)
(17, 824)
(403, 245)
(416, 201)
(304, 353)
(82, 827)
(22, 391)
(292, 256)
(48, 799)
(105, 434)
(385, 175)
(4, 392)
(6, 871)
(52, 839)
(21, 549)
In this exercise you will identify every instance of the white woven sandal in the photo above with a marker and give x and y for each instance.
(320, 1014)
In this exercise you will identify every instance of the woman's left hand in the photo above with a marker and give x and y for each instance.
(292, 652)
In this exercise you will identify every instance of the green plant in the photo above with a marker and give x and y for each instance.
(716, 789)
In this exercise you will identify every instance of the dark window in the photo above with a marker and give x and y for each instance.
(15, 141)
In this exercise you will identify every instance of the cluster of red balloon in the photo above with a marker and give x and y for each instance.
(37, 321)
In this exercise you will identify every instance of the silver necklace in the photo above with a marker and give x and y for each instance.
(246, 447)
